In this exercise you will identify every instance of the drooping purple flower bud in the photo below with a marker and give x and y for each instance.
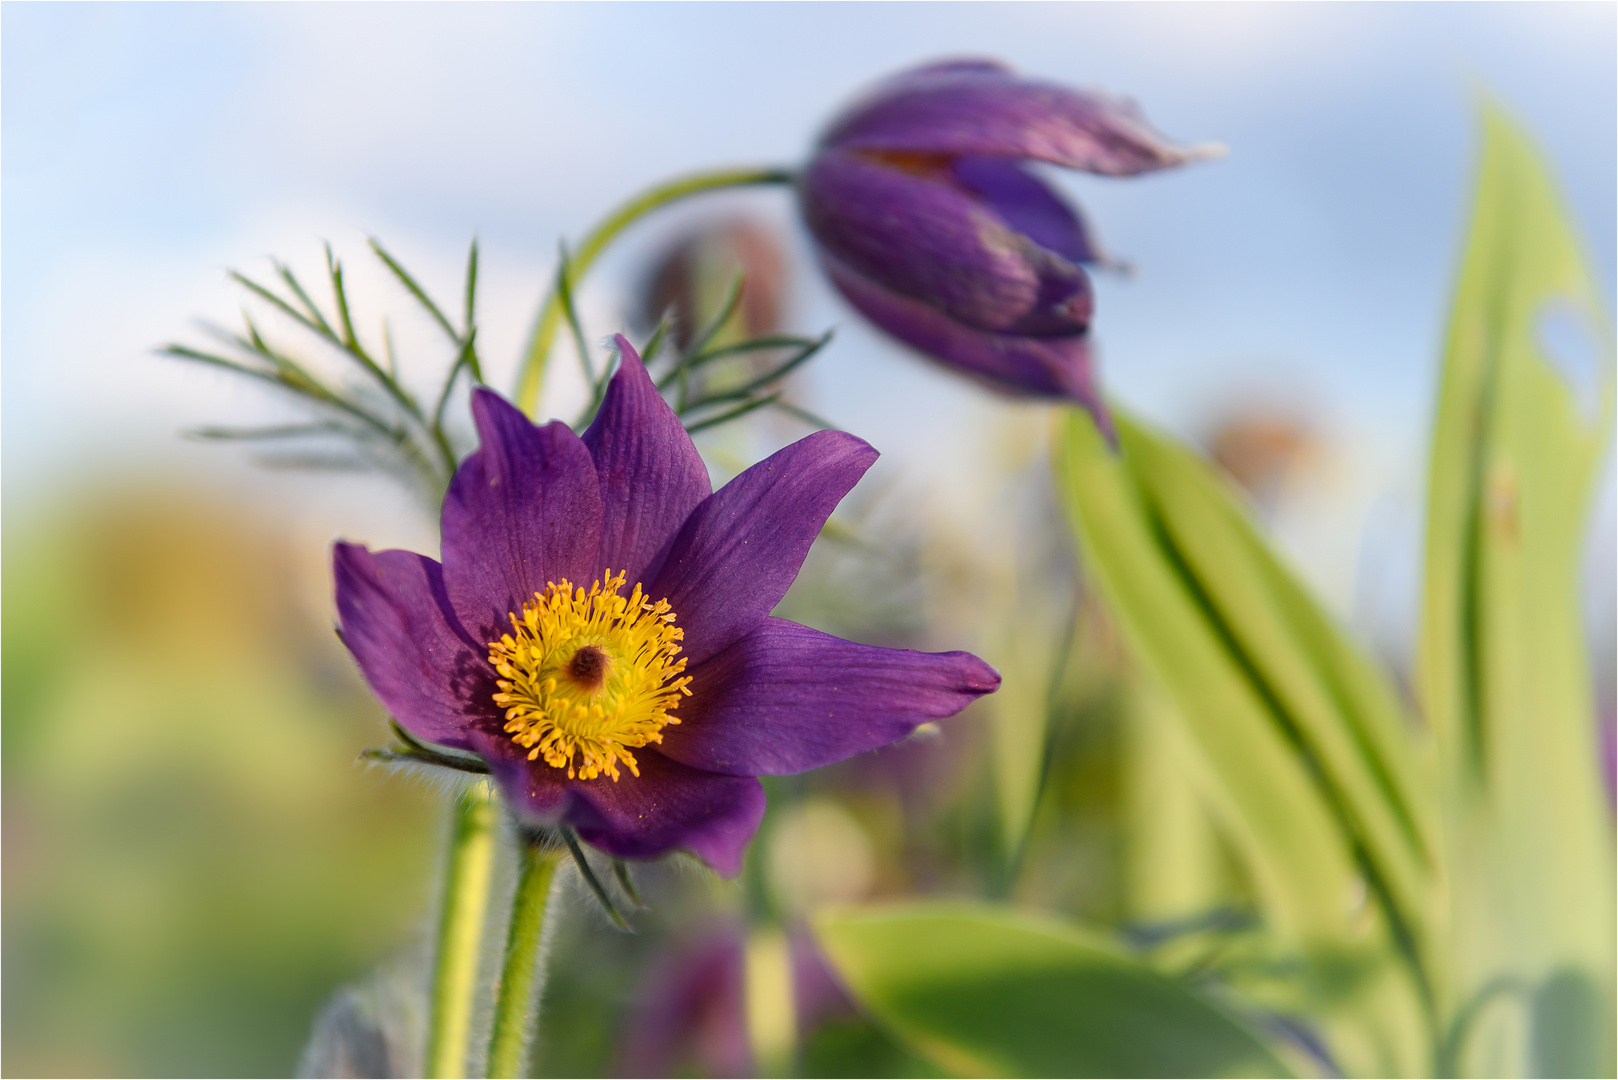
(929, 220)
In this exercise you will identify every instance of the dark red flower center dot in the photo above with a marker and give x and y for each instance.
(588, 668)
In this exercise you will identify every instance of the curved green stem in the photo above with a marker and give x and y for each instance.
(520, 975)
(532, 373)
(460, 928)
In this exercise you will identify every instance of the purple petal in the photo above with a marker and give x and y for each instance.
(534, 790)
(980, 110)
(1059, 367)
(740, 550)
(523, 510)
(785, 699)
(922, 233)
(669, 806)
(396, 620)
(651, 475)
(1030, 206)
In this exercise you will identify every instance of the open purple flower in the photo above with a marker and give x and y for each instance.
(930, 222)
(599, 630)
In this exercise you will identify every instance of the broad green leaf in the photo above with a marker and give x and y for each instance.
(985, 990)
(853, 1046)
(1503, 677)
(1305, 775)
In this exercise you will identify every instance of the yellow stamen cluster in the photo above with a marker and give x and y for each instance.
(585, 676)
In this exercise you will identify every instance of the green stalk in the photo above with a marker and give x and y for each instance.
(519, 977)
(460, 927)
(532, 373)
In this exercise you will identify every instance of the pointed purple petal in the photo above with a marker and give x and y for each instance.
(976, 110)
(651, 475)
(669, 806)
(396, 620)
(523, 510)
(786, 699)
(740, 550)
(1030, 206)
(1055, 367)
(922, 233)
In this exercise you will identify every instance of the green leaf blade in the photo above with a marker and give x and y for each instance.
(1357, 737)
(1261, 779)
(1502, 668)
(1302, 862)
(986, 990)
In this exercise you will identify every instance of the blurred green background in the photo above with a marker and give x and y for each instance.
(194, 859)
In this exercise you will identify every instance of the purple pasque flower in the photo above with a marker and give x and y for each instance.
(929, 221)
(599, 630)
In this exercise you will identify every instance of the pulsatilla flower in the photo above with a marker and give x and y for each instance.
(930, 222)
(599, 630)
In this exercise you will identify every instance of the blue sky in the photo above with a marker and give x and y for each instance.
(146, 148)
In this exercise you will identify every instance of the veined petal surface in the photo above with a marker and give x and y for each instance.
(397, 622)
(522, 511)
(535, 790)
(786, 698)
(1059, 367)
(669, 806)
(1029, 205)
(651, 475)
(741, 548)
(986, 110)
(923, 233)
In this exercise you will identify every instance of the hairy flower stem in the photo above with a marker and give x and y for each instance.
(460, 928)
(532, 373)
(519, 976)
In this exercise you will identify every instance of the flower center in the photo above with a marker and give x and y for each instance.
(585, 676)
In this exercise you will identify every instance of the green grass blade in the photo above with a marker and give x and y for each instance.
(753, 386)
(414, 289)
(727, 308)
(315, 315)
(570, 311)
(470, 294)
(654, 344)
(812, 419)
(339, 295)
(731, 414)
